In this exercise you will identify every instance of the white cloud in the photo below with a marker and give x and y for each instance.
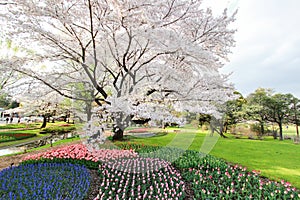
(267, 50)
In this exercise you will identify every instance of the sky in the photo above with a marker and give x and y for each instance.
(267, 51)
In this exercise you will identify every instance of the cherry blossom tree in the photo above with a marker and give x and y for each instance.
(143, 59)
(8, 76)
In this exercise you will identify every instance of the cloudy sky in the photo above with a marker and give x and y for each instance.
(267, 52)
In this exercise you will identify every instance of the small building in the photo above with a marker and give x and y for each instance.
(13, 112)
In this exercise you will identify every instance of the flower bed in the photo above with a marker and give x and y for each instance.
(165, 173)
(6, 137)
(81, 152)
(235, 182)
(140, 178)
(213, 178)
(44, 181)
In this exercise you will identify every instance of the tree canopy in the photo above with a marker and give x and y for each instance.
(139, 59)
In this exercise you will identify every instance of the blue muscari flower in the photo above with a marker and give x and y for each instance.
(42, 181)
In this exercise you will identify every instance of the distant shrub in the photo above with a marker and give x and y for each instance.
(59, 129)
(205, 127)
(195, 123)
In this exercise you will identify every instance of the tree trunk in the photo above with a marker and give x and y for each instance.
(275, 134)
(280, 131)
(222, 135)
(44, 121)
(297, 132)
(221, 131)
(262, 129)
(118, 133)
(225, 127)
(88, 110)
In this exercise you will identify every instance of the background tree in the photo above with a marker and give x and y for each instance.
(256, 107)
(231, 114)
(204, 118)
(46, 105)
(8, 76)
(155, 56)
(294, 114)
(278, 106)
(4, 100)
(234, 113)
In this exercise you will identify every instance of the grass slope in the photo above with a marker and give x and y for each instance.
(275, 159)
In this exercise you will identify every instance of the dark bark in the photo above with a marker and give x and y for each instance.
(262, 129)
(222, 135)
(44, 121)
(141, 121)
(280, 131)
(275, 134)
(118, 133)
(225, 127)
(297, 132)
(221, 132)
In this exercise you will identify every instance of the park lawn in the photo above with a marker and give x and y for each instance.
(275, 159)
(20, 126)
(291, 130)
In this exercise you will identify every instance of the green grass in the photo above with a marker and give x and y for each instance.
(19, 126)
(291, 130)
(275, 159)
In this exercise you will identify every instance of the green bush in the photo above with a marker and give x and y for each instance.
(59, 129)
(194, 159)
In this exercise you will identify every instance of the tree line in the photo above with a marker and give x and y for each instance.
(262, 106)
